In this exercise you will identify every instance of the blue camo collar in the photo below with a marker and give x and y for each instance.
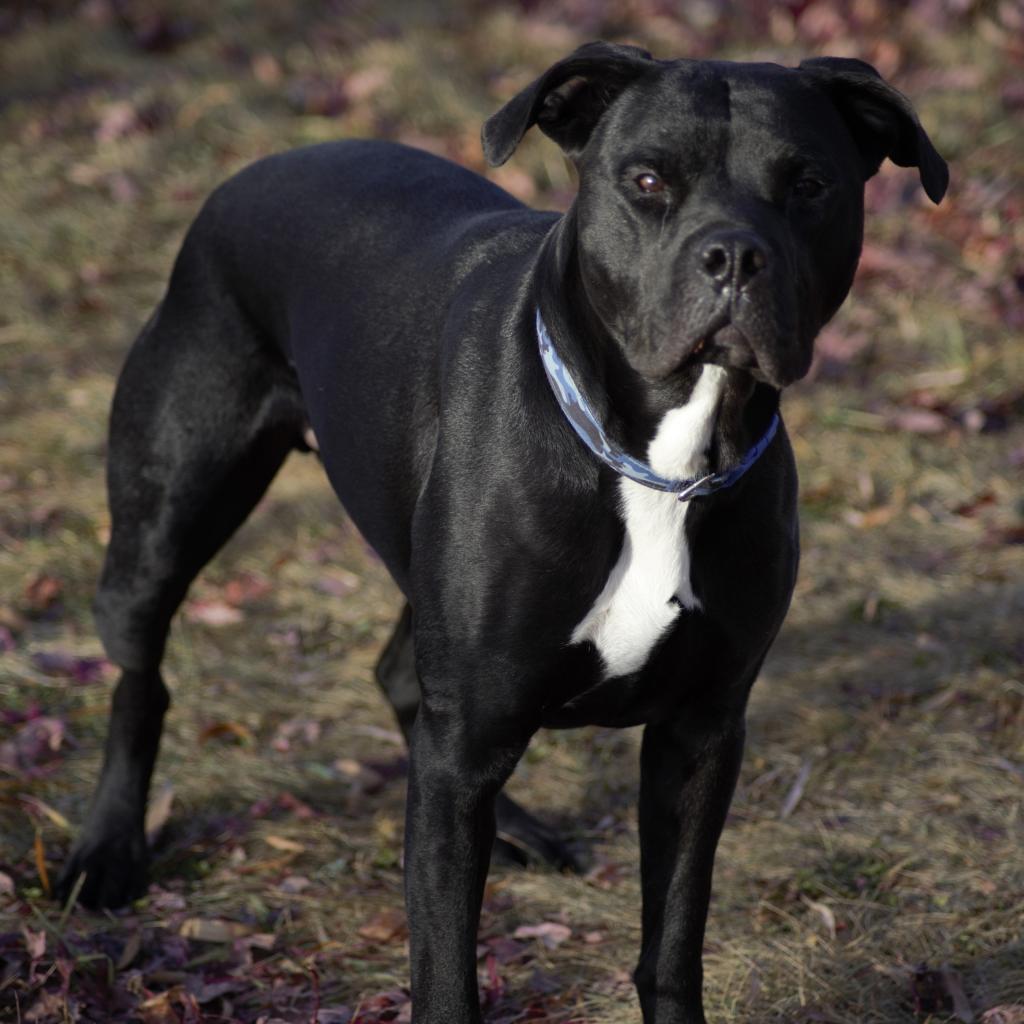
(583, 420)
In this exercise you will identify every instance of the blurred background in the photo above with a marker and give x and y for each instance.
(871, 870)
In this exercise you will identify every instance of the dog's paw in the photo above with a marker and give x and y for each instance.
(115, 868)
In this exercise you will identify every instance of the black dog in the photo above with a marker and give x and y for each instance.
(560, 433)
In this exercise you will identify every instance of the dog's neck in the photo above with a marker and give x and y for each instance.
(629, 406)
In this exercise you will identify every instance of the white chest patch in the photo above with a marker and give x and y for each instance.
(635, 608)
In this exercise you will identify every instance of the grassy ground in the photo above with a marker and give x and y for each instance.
(872, 870)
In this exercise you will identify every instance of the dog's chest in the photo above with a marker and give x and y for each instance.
(649, 584)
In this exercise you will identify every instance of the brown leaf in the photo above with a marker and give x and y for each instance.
(131, 950)
(157, 813)
(42, 592)
(40, 858)
(118, 120)
(918, 421)
(40, 809)
(213, 613)
(979, 501)
(872, 518)
(216, 730)
(70, 666)
(37, 741)
(159, 1009)
(266, 68)
(50, 1006)
(213, 929)
(823, 911)
(281, 843)
(35, 943)
(305, 729)
(551, 933)
(796, 791)
(244, 588)
(389, 925)
(1008, 1014)
(339, 583)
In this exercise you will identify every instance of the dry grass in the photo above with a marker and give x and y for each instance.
(892, 706)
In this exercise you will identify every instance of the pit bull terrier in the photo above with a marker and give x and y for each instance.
(561, 433)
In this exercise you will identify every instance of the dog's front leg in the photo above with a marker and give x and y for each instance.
(461, 757)
(688, 773)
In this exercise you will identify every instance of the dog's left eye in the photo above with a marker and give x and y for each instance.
(808, 188)
(649, 183)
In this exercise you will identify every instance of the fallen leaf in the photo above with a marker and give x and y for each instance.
(361, 85)
(157, 813)
(282, 843)
(131, 950)
(979, 501)
(245, 587)
(339, 583)
(50, 1006)
(213, 929)
(389, 925)
(117, 120)
(215, 730)
(878, 516)
(1009, 1014)
(213, 613)
(40, 858)
(42, 592)
(550, 933)
(918, 421)
(305, 729)
(36, 741)
(35, 943)
(1004, 535)
(504, 949)
(63, 664)
(493, 987)
(606, 876)
(362, 776)
(294, 884)
(158, 1009)
(825, 913)
(796, 791)
(41, 809)
(266, 69)
(6, 884)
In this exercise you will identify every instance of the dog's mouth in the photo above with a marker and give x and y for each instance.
(725, 345)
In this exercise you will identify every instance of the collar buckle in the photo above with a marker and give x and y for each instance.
(700, 487)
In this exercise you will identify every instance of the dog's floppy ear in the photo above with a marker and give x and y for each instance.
(566, 101)
(881, 119)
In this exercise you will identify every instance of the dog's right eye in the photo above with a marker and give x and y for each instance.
(649, 183)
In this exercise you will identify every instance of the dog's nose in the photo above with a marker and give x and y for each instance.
(732, 258)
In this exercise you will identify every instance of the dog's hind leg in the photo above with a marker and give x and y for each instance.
(203, 416)
(520, 836)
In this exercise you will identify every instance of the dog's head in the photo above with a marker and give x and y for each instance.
(720, 206)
